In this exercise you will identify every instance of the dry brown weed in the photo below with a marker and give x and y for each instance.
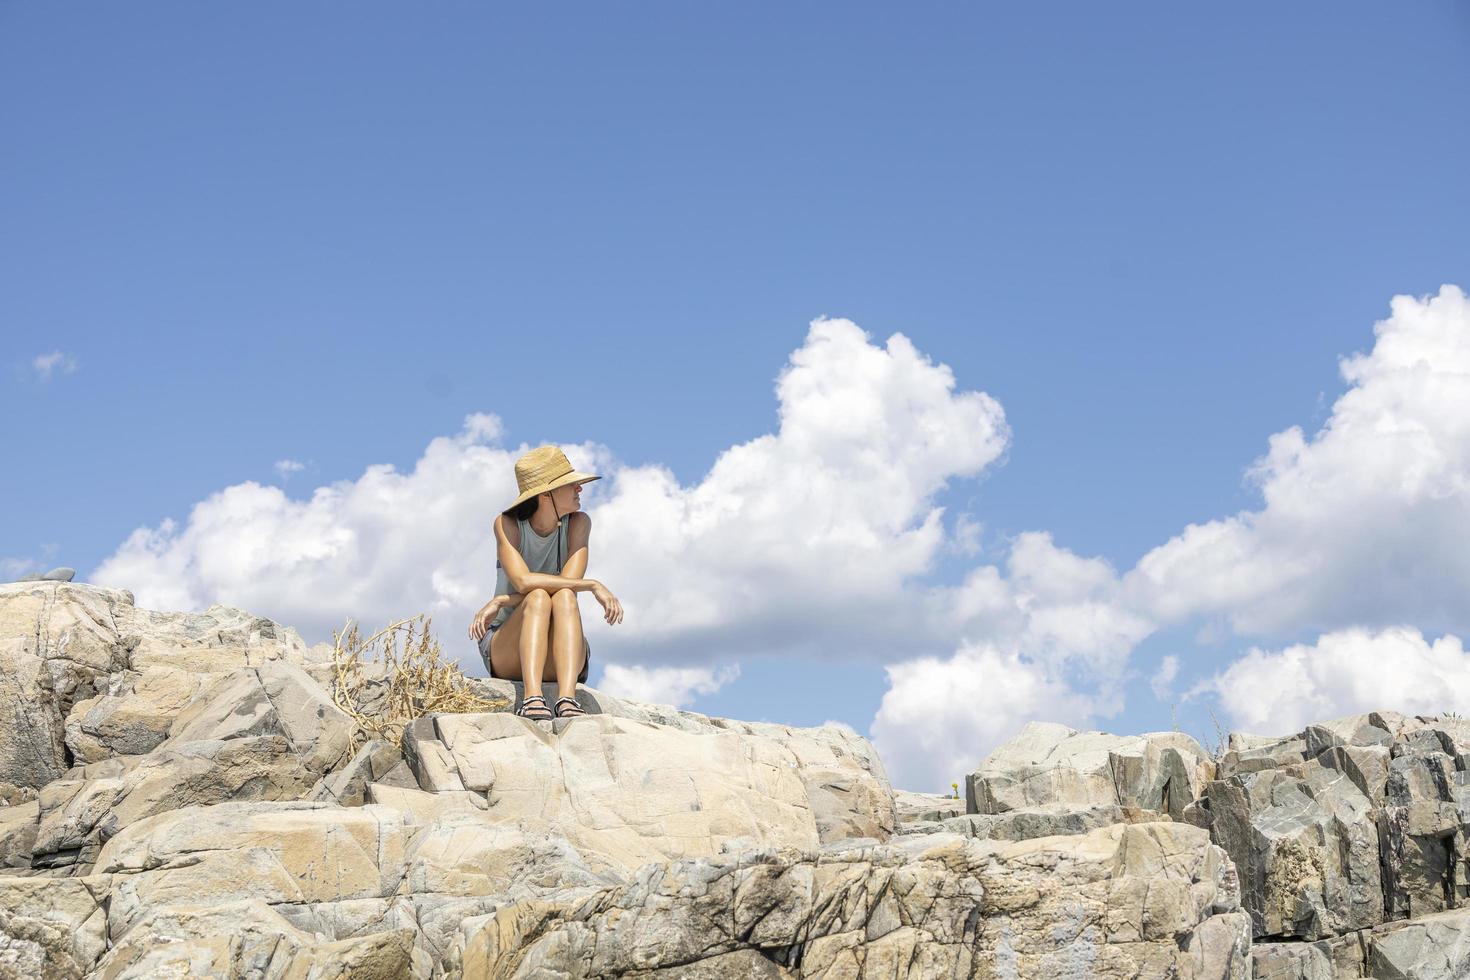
(405, 682)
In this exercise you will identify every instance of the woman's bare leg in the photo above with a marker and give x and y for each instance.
(566, 641)
(518, 648)
(535, 626)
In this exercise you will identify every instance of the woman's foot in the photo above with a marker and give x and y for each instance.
(533, 706)
(568, 708)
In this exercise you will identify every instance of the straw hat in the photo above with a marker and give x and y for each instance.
(545, 468)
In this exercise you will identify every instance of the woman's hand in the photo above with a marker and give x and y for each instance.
(612, 609)
(480, 624)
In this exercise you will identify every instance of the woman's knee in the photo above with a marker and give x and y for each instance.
(537, 599)
(563, 600)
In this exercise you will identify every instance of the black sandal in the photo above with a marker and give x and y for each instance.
(543, 713)
(574, 710)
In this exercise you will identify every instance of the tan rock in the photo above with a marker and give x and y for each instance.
(466, 854)
(18, 824)
(1146, 900)
(380, 956)
(292, 852)
(630, 792)
(79, 814)
(81, 668)
(51, 927)
(229, 939)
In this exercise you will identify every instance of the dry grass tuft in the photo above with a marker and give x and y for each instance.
(404, 683)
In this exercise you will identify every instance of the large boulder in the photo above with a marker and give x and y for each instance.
(58, 644)
(634, 791)
(278, 852)
(1150, 900)
(1053, 764)
(259, 733)
(86, 675)
(844, 777)
(1424, 826)
(1305, 843)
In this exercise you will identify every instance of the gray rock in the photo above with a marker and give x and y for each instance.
(1305, 843)
(30, 577)
(1045, 821)
(925, 807)
(62, 574)
(374, 762)
(1423, 826)
(1336, 958)
(1049, 763)
(1353, 822)
(1436, 947)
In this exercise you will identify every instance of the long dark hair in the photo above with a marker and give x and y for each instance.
(523, 510)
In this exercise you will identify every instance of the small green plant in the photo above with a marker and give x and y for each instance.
(956, 788)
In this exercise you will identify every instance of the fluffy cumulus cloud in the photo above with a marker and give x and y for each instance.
(677, 686)
(385, 545)
(1343, 672)
(940, 717)
(1362, 523)
(787, 546)
(1359, 537)
(1046, 637)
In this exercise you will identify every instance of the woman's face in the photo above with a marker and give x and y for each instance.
(567, 498)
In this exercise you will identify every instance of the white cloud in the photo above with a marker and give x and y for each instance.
(665, 685)
(1048, 639)
(797, 542)
(45, 365)
(1051, 605)
(1345, 672)
(940, 718)
(285, 467)
(1363, 523)
(1162, 683)
(386, 545)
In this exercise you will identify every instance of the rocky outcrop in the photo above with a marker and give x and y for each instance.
(1153, 900)
(1349, 824)
(85, 675)
(179, 796)
(1052, 764)
(647, 792)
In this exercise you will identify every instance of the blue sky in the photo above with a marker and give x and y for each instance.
(285, 233)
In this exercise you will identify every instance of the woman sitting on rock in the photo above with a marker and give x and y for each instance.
(541, 544)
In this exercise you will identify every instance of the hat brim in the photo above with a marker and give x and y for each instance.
(573, 477)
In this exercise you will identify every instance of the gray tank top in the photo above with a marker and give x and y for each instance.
(542, 554)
